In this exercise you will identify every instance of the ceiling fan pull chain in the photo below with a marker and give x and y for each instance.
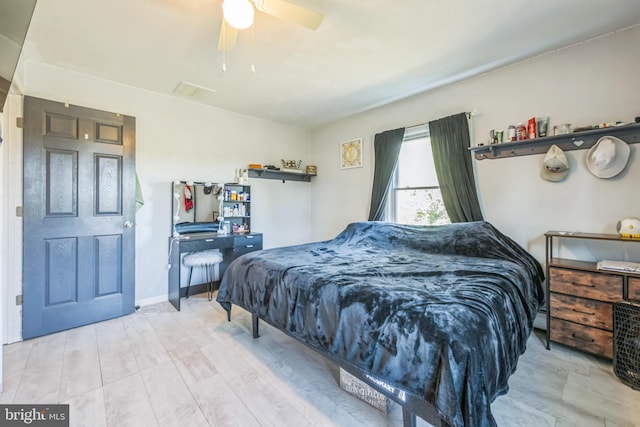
(253, 48)
(224, 47)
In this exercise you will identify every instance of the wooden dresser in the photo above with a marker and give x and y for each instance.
(581, 297)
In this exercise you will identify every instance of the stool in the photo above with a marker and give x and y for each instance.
(207, 259)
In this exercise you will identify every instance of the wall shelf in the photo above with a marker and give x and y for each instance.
(567, 142)
(281, 175)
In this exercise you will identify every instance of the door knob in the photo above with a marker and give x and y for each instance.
(128, 224)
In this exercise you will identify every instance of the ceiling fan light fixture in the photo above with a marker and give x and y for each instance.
(238, 13)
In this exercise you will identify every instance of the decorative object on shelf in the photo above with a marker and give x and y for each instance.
(543, 126)
(531, 128)
(629, 227)
(351, 154)
(241, 177)
(562, 129)
(555, 166)
(512, 134)
(291, 166)
(312, 170)
(495, 137)
(255, 166)
(608, 157)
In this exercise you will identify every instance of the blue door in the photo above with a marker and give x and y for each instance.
(79, 208)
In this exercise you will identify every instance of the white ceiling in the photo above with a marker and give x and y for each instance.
(365, 53)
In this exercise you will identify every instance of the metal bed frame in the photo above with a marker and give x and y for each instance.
(411, 404)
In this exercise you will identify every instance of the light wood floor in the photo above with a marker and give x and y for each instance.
(160, 367)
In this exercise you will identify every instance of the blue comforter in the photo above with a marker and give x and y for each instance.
(443, 312)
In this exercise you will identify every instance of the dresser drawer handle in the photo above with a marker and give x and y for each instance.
(248, 237)
(584, 312)
(249, 246)
(588, 285)
(582, 338)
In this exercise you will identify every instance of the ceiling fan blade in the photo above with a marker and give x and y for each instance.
(228, 36)
(291, 12)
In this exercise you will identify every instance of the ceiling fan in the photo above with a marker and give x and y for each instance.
(238, 15)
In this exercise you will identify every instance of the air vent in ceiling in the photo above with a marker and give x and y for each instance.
(189, 90)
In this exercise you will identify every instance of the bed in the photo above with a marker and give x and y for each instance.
(434, 317)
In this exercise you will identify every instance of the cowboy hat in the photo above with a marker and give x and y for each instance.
(608, 157)
(555, 165)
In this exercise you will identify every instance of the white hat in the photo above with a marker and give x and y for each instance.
(608, 157)
(555, 166)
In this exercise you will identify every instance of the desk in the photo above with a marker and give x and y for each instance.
(231, 246)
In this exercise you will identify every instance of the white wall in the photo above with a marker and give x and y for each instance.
(592, 82)
(179, 139)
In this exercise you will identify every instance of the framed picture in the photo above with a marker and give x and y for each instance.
(351, 154)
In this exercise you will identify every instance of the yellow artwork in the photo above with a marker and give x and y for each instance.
(351, 154)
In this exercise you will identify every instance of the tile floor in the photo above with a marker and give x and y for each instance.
(160, 367)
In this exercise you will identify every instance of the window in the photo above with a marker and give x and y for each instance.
(415, 194)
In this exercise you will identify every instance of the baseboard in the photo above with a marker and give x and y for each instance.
(195, 289)
(152, 300)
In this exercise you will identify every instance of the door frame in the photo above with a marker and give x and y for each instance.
(11, 269)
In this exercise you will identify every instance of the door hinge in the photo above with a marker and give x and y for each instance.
(19, 211)
(20, 122)
(18, 299)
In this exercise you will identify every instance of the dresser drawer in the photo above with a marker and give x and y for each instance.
(585, 338)
(634, 288)
(598, 286)
(245, 250)
(244, 240)
(580, 310)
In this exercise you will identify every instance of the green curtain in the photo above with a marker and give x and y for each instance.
(386, 146)
(450, 144)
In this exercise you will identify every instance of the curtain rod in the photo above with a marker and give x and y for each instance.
(468, 113)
